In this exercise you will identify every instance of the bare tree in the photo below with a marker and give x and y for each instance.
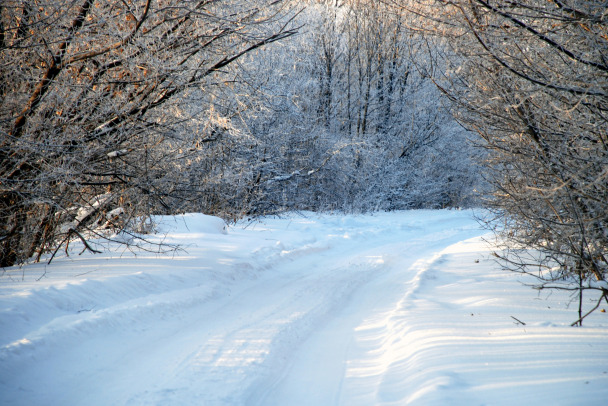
(90, 98)
(343, 119)
(531, 77)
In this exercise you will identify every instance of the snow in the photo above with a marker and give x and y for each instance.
(387, 309)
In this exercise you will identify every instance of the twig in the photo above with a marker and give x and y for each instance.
(519, 321)
(580, 320)
(86, 244)
(59, 246)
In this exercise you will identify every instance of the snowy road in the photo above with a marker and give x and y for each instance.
(299, 311)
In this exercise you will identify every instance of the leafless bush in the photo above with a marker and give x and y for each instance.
(90, 92)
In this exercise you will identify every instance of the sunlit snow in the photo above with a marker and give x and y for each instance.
(403, 308)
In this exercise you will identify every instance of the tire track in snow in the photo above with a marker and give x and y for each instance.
(320, 370)
(243, 339)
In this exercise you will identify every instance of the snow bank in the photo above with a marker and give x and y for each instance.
(191, 224)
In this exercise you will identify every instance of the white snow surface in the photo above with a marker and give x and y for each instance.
(403, 308)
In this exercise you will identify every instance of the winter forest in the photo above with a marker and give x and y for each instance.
(114, 111)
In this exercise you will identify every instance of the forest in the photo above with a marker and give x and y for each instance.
(114, 111)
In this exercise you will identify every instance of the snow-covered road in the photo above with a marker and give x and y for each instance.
(390, 309)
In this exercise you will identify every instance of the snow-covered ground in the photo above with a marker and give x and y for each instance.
(386, 309)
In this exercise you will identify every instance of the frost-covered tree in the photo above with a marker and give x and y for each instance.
(343, 116)
(531, 77)
(93, 128)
